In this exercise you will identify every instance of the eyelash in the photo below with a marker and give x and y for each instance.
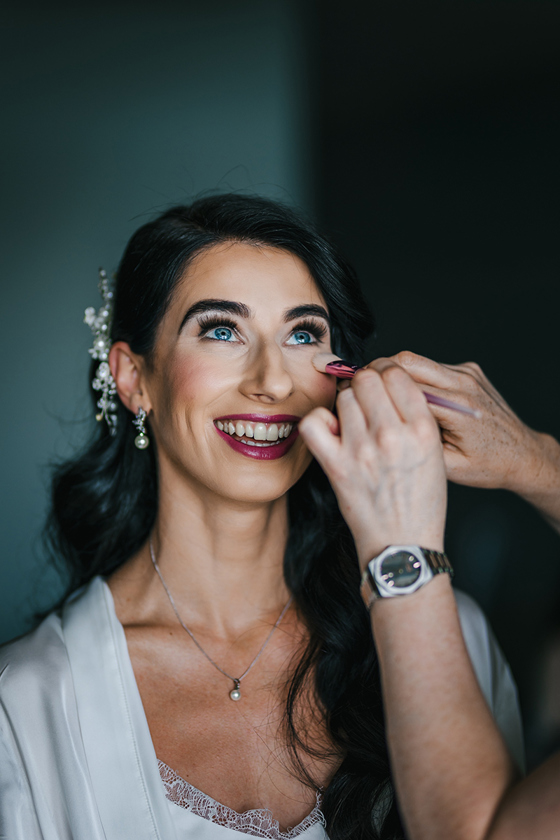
(209, 322)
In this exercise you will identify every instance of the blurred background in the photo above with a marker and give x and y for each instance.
(423, 137)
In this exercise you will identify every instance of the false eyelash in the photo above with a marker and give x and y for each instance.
(316, 328)
(208, 322)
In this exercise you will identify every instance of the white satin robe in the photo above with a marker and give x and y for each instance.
(76, 757)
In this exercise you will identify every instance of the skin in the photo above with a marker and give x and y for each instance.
(222, 524)
(453, 775)
(221, 530)
(496, 451)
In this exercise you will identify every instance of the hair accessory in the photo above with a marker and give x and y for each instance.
(141, 441)
(100, 324)
(235, 693)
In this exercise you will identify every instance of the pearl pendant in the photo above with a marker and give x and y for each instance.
(235, 693)
(141, 441)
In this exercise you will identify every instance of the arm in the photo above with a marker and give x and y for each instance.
(453, 775)
(498, 450)
(452, 772)
(451, 767)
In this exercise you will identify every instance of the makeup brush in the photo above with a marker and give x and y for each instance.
(325, 363)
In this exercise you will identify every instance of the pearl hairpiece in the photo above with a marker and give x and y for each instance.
(100, 324)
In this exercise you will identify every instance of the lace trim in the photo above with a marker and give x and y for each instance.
(258, 822)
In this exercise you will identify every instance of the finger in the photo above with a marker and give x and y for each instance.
(425, 370)
(353, 424)
(380, 364)
(372, 395)
(392, 372)
(320, 431)
(402, 389)
(406, 395)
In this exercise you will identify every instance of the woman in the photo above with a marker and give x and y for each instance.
(215, 658)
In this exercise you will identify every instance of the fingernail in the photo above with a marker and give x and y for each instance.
(342, 369)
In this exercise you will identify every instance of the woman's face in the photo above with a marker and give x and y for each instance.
(233, 372)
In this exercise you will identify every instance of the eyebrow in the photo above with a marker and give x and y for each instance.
(243, 311)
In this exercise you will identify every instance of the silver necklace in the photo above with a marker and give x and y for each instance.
(235, 693)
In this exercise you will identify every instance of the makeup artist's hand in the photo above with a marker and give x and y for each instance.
(384, 459)
(495, 450)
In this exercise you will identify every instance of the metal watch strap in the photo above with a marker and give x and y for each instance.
(437, 561)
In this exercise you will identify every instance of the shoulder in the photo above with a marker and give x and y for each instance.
(33, 668)
(37, 665)
(45, 790)
(38, 707)
(39, 660)
(36, 704)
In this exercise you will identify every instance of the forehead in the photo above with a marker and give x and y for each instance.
(267, 279)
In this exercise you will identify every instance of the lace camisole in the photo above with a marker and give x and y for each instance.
(258, 822)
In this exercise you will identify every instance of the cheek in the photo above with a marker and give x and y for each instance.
(194, 381)
(320, 389)
(188, 388)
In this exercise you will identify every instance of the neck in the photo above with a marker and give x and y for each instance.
(221, 559)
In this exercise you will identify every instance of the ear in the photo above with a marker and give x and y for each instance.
(127, 369)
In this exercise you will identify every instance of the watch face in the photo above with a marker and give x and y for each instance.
(400, 569)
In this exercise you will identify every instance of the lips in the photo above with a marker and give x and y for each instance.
(262, 418)
(264, 437)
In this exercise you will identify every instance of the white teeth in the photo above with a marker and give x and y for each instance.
(272, 432)
(260, 431)
(266, 434)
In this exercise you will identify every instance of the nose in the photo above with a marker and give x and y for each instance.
(267, 379)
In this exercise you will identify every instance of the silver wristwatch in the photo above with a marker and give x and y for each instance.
(401, 570)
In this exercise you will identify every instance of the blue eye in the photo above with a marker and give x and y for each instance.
(301, 337)
(221, 333)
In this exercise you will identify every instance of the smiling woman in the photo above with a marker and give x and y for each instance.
(215, 555)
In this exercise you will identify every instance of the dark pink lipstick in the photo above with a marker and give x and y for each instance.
(261, 418)
(259, 450)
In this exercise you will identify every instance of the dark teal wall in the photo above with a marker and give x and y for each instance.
(110, 113)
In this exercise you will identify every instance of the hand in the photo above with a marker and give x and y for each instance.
(384, 459)
(495, 450)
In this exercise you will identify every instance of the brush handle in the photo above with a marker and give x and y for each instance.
(441, 401)
(344, 370)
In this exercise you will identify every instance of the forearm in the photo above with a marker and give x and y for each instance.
(450, 765)
(531, 809)
(539, 482)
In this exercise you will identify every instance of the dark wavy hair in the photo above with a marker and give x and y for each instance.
(104, 502)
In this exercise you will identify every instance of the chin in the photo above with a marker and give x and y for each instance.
(259, 484)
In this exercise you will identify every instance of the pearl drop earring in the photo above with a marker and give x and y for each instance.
(141, 441)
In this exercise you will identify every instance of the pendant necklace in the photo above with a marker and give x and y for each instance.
(235, 693)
